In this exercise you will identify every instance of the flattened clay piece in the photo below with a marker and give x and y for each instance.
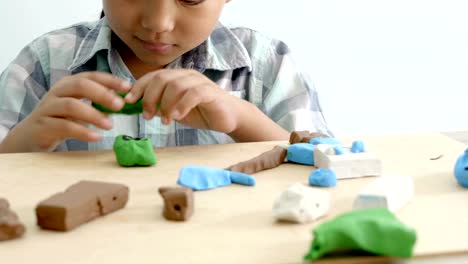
(267, 160)
(178, 203)
(325, 140)
(302, 153)
(301, 204)
(201, 178)
(134, 151)
(391, 192)
(10, 226)
(375, 230)
(345, 163)
(303, 136)
(80, 203)
(128, 109)
(461, 169)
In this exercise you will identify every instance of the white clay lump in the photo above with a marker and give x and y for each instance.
(301, 204)
(345, 163)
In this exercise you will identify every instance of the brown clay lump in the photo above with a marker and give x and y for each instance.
(304, 136)
(267, 160)
(80, 203)
(10, 226)
(178, 203)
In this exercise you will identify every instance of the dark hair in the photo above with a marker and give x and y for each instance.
(102, 14)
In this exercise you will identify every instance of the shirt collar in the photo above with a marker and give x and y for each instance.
(222, 51)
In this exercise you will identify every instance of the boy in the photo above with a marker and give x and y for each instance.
(219, 85)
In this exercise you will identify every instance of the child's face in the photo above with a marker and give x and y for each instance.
(159, 31)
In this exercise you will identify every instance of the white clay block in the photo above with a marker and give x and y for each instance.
(388, 191)
(348, 164)
(301, 204)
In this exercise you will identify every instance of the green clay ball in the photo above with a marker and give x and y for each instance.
(134, 151)
(375, 230)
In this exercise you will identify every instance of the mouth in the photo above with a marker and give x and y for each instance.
(158, 47)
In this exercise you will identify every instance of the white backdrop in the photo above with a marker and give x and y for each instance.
(380, 66)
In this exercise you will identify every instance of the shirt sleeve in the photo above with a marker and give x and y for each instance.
(289, 96)
(22, 85)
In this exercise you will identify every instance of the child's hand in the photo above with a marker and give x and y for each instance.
(188, 97)
(61, 114)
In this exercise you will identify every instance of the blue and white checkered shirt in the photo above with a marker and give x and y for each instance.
(241, 61)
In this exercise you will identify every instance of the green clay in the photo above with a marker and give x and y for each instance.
(134, 151)
(375, 230)
(128, 109)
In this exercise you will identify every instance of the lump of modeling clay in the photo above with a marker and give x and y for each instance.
(325, 140)
(461, 169)
(10, 226)
(323, 178)
(302, 153)
(267, 160)
(301, 204)
(80, 203)
(391, 192)
(178, 203)
(358, 146)
(127, 109)
(304, 136)
(347, 164)
(134, 151)
(200, 178)
(375, 230)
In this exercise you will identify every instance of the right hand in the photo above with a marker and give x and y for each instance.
(61, 114)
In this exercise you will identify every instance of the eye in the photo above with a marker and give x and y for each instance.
(192, 2)
(125, 137)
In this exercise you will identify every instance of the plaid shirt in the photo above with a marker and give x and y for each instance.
(241, 61)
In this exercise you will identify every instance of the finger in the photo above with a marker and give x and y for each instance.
(107, 80)
(72, 108)
(156, 88)
(175, 90)
(191, 99)
(136, 92)
(62, 129)
(92, 90)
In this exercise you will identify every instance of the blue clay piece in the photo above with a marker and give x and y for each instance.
(461, 169)
(324, 140)
(241, 178)
(358, 146)
(302, 153)
(201, 178)
(338, 150)
(323, 178)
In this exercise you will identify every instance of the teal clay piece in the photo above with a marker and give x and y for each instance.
(134, 151)
(375, 230)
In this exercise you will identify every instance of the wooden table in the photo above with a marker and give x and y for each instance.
(233, 224)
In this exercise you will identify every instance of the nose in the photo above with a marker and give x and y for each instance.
(158, 16)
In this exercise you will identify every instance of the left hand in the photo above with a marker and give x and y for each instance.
(188, 97)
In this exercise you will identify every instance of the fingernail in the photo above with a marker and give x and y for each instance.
(106, 123)
(146, 115)
(175, 114)
(128, 96)
(117, 103)
(94, 135)
(164, 120)
(126, 85)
